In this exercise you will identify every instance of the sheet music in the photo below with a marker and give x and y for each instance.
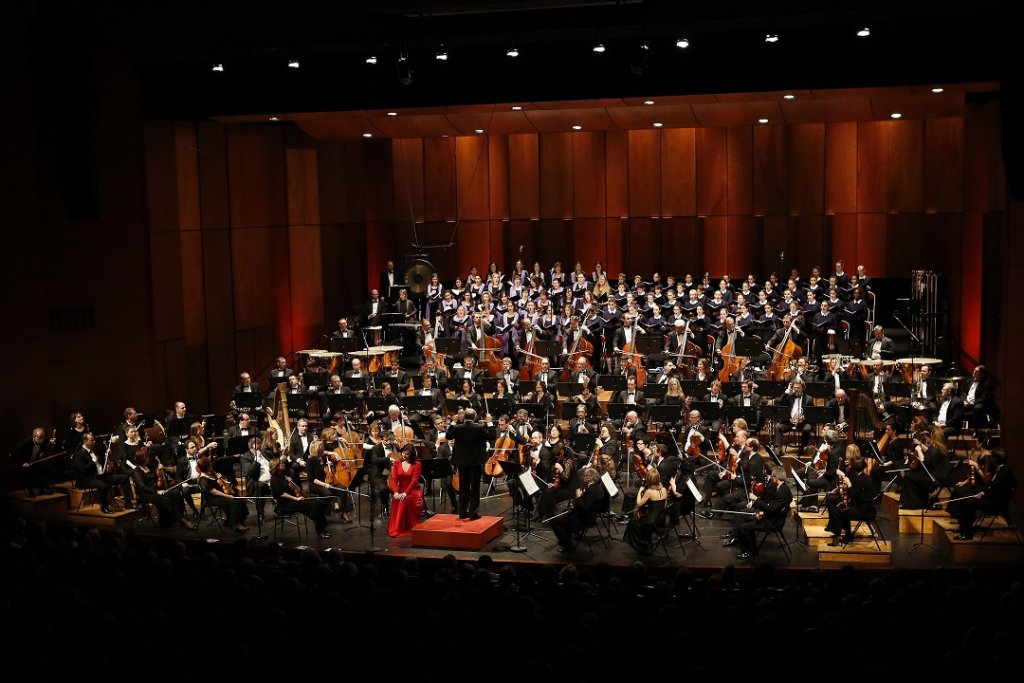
(693, 489)
(529, 485)
(606, 479)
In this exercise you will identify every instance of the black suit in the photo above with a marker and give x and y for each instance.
(585, 509)
(638, 398)
(994, 500)
(27, 452)
(774, 505)
(87, 475)
(954, 414)
(469, 452)
(786, 425)
(862, 497)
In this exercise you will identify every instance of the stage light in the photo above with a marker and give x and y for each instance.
(512, 51)
(648, 102)
(274, 118)
(293, 64)
(938, 90)
(577, 126)
(771, 38)
(372, 59)
(864, 32)
(367, 135)
(517, 108)
(404, 69)
(657, 124)
(789, 97)
(896, 115)
(442, 55)
(683, 42)
(598, 47)
(479, 131)
(218, 67)
(762, 121)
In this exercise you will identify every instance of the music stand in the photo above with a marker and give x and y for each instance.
(434, 469)
(709, 410)
(345, 345)
(355, 383)
(824, 390)
(525, 386)
(517, 491)
(818, 415)
(419, 404)
(379, 404)
(649, 344)
(535, 410)
(248, 400)
(613, 383)
(452, 405)
(499, 406)
(746, 346)
(897, 390)
(345, 403)
(771, 389)
(449, 346)
(692, 387)
(732, 388)
(215, 425)
(665, 414)
(489, 385)
(655, 391)
(314, 380)
(617, 411)
(748, 413)
(238, 445)
(569, 389)
(582, 443)
(547, 349)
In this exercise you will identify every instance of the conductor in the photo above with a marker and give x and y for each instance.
(469, 452)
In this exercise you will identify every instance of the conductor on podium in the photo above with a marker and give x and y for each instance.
(469, 452)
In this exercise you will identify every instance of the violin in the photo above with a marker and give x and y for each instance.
(294, 488)
(639, 466)
(161, 479)
(225, 485)
(693, 449)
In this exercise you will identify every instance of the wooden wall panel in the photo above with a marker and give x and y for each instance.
(616, 174)
(497, 177)
(905, 242)
(644, 172)
(844, 240)
(681, 247)
(715, 240)
(812, 243)
(588, 175)
(213, 175)
(342, 176)
(771, 170)
(379, 182)
(471, 174)
(944, 164)
(439, 181)
(161, 176)
(556, 175)
(643, 246)
(711, 171)
(407, 158)
(219, 311)
(678, 172)
(252, 287)
(590, 243)
(255, 176)
(555, 238)
(194, 309)
(614, 231)
(473, 240)
(303, 187)
(496, 236)
(972, 274)
(807, 168)
(305, 286)
(872, 165)
(524, 176)
(739, 170)
(344, 263)
(841, 167)
(166, 273)
(905, 165)
(744, 247)
(523, 243)
(872, 249)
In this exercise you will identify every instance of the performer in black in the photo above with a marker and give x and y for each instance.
(469, 452)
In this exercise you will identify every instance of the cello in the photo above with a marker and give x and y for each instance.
(788, 350)
(346, 458)
(504, 446)
(631, 364)
(488, 358)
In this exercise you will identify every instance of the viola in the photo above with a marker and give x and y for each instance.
(693, 449)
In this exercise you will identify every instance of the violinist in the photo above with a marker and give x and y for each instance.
(214, 495)
(772, 506)
(681, 500)
(33, 450)
(298, 445)
(558, 469)
(632, 427)
(749, 470)
(588, 501)
(378, 467)
(651, 501)
(858, 503)
(289, 498)
(820, 473)
(187, 471)
(587, 398)
(915, 484)
(256, 470)
(151, 488)
(996, 482)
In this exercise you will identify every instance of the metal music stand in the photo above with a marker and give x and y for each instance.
(617, 411)
(613, 383)
(569, 389)
(434, 469)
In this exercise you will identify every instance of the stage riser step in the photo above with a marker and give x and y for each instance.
(999, 546)
(91, 515)
(41, 506)
(858, 552)
(448, 531)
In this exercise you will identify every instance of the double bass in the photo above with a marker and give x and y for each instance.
(731, 363)
(781, 357)
(580, 348)
(344, 459)
(688, 355)
(631, 363)
(531, 366)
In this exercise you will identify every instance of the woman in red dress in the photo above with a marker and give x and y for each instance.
(407, 496)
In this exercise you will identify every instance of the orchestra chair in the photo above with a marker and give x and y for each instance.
(607, 517)
(215, 513)
(871, 522)
(987, 519)
(594, 525)
(777, 530)
(662, 528)
(146, 510)
(290, 518)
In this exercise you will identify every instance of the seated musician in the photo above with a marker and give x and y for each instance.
(151, 489)
(396, 377)
(750, 470)
(820, 472)
(467, 371)
(475, 332)
(247, 386)
(949, 410)
(378, 468)
(794, 401)
(297, 397)
(841, 411)
(214, 495)
(773, 507)
(356, 370)
(508, 373)
(916, 485)
(746, 398)
(255, 468)
(557, 468)
(857, 504)
(243, 427)
(990, 484)
(546, 376)
(96, 472)
(582, 372)
(716, 396)
(650, 505)
(582, 424)
(30, 451)
(979, 402)
(587, 398)
(467, 396)
(541, 397)
(880, 347)
(624, 335)
(631, 395)
(289, 497)
(589, 500)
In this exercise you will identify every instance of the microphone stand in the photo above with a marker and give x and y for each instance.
(922, 542)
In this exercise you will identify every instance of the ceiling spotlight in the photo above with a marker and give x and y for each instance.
(517, 108)
(648, 102)
(938, 90)
(658, 124)
(598, 47)
(864, 32)
(372, 59)
(367, 135)
(641, 59)
(442, 55)
(762, 120)
(771, 38)
(404, 69)
(683, 42)
(218, 67)
(896, 115)
(274, 118)
(789, 96)
(577, 126)
(512, 51)
(479, 131)
(293, 64)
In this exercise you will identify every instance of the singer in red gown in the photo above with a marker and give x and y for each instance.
(407, 496)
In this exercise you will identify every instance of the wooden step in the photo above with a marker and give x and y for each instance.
(41, 506)
(911, 521)
(999, 546)
(816, 533)
(813, 519)
(91, 515)
(858, 552)
(891, 502)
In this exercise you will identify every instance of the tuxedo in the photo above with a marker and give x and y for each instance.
(469, 452)
(623, 397)
(794, 405)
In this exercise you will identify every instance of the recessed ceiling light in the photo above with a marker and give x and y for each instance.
(218, 67)
(293, 64)
(479, 130)
(648, 102)
(274, 118)
(598, 47)
(367, 135)
(577, 126)
(392, 113)
(683, 42)
(512, 51)
(896, 115)
(372, 59)
(517, 108)
(789, 97)
(762, 120)
(658, 124)
(771, 38)
(938, 90)
(864, 32)
(442, 55)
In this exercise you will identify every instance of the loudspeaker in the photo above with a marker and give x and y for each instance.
(1011, 111)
